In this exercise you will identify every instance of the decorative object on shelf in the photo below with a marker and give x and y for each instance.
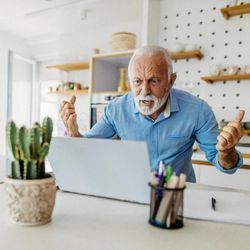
(233, 2)
(77, 86)
(191, 47)
(215, 69)
(247, 69)
(232, 70)
(235, 10)
(95, 51)
(123, 41)
(122, 84)
(246, 125)
(30, 192)
(176, 47)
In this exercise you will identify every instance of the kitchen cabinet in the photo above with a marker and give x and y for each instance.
(104, 79)
(211, 176)
(207, 174)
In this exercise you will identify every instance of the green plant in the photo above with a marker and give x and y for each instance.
(29, 148)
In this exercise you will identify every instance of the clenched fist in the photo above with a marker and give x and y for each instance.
(68, 115)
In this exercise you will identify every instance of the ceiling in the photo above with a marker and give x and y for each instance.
(29, 19)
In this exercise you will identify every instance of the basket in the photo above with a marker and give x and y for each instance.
(123, 41)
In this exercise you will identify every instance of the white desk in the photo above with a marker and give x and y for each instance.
(83, 222)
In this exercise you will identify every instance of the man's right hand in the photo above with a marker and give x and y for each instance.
(68, 115)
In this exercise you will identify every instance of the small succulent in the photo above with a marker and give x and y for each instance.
(29, 148)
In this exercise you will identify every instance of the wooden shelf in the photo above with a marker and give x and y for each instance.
(70, 92)
(246, 131)
(71, 66)
(246, 156)
(114, 54)
(212, 79)
(187, 55)
(235, 10)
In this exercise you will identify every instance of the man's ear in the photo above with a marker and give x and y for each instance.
(172, 79)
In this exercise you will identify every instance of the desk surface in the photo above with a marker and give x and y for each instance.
(83, 222)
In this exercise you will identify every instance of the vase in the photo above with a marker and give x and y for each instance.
(122, 84)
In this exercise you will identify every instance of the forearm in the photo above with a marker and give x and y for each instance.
(228, 158)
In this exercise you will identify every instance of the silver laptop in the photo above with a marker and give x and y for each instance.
(101, 167)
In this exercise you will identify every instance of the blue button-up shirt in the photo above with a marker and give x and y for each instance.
(170, 137)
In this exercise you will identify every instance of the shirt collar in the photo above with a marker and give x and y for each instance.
(172, 105)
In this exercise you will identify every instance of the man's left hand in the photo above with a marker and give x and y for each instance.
(230, 134)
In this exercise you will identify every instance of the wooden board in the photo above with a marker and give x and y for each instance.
(187, 55)
(71, 66)
(70, 92)
(235, 10)
(212, 79)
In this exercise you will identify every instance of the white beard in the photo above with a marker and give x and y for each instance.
(158, 103)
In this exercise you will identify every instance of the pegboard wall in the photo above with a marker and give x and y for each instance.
(224, 42)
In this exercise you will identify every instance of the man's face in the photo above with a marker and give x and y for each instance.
(150, 84)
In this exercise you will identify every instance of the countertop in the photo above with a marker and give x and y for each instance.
(84, 222)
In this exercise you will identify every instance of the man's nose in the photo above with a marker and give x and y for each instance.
(145, 88)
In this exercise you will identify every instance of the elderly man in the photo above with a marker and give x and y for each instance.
(169, 120)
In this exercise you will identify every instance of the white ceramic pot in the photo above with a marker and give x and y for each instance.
(30, 202)
(215, 69)
(247, 69)
(234, 2)
(191, 47)
(176, 47)
(232, 70)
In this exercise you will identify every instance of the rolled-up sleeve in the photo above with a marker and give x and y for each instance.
(206, 135)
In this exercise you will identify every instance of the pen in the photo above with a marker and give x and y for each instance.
(213, 202)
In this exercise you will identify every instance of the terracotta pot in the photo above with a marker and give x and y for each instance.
(30, 202)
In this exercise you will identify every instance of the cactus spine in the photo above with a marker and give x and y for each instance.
(29, 148)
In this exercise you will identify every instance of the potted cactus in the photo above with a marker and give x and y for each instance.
(30, 191)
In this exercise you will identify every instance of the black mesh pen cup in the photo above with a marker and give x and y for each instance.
(166, 207)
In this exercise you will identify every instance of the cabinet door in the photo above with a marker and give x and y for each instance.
(211, 176)
(197, 172)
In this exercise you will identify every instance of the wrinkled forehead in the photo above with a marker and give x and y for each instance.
(149, 64)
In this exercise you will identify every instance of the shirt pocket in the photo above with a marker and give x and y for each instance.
(175, 144)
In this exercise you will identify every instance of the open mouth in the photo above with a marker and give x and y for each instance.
(145, 102)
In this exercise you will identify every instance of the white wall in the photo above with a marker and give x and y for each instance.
(78, 45)
(7, 42)
(76, 41)
(224, 42)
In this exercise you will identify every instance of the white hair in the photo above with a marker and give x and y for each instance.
(151, 50)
